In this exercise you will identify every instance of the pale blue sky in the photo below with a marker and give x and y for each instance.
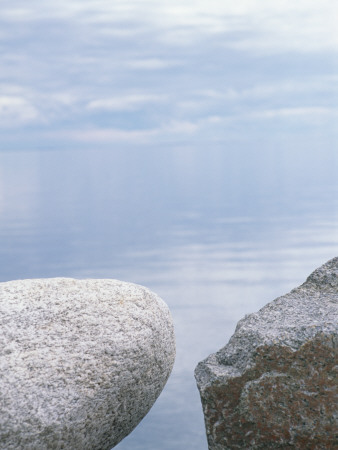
(93, 73)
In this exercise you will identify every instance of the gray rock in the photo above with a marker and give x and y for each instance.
(81, 363)
(274, 385)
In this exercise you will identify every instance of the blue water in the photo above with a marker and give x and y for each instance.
(217, 232)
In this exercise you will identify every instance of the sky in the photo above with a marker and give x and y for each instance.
(99, 73)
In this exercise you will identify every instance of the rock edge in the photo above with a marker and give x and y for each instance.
(81, 361)
(274, 384)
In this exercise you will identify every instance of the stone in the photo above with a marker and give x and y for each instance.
(274, 385)
(81, 363)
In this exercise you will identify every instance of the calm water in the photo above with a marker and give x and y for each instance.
(217, 233)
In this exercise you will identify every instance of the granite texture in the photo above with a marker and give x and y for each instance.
(81, 361)
(274, 385)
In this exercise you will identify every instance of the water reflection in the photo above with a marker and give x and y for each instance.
(216, 234)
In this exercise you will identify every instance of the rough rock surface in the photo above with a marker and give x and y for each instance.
(81, 361)
(274, 385)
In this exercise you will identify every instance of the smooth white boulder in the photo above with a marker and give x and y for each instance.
(81, 361)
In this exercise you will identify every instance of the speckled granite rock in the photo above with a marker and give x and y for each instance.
(81, 363)
(274, 385)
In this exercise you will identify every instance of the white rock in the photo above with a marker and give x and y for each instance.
(81, 363)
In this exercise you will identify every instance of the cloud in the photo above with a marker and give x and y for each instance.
(305, 112)
(15, 111)
(180, 127)
(313, 117)
(285, 87)
(287, 94)
(151, 64)
(125, 103)
(171, 68)
(305, 25)
(109, 135)
(287, 112)
(12, 13)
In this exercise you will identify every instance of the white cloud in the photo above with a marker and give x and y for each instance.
(283, 91)
(314, 115)
(21, 105)
(180, 127)
(16, 13)
(285, 87)
(151, 63)
(280, 25)
(263, 25)
(62, 98)
(78, 57)
(305, 112)
(268, 90)
(108, 135)
(16, 111)
(125, 103)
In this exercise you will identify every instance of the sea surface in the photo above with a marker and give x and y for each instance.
(216, 232)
